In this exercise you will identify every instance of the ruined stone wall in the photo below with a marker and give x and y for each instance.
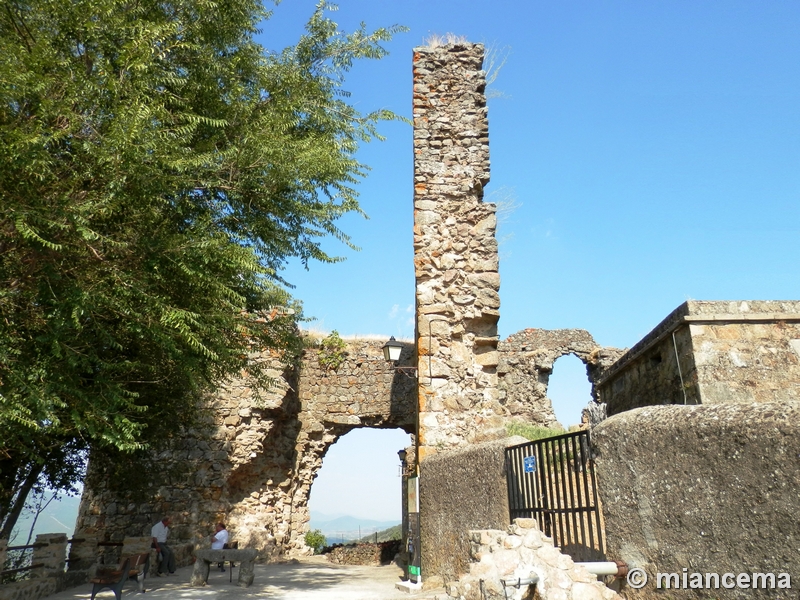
(455, 251)
(252, 466)
(520, 552)
(526, 363)
(707, 488)
(460, 489)
(711, 352)
(365, 554)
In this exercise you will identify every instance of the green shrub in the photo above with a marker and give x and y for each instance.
(315, 539)
(333, 351)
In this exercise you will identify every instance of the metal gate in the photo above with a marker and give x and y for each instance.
(553, 481)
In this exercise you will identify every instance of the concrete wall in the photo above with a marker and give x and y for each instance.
(708, 353)
(459, 490)
(709, 488)
(253, 464)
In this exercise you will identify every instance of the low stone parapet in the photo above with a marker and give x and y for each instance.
(364, 554)
(49, 559)
(29, 589)
(522, 553)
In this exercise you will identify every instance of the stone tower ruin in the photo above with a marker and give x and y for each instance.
(253, 464)
(455, 250)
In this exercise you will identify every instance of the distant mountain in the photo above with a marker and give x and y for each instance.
(322, 517)
(393, 533)
(58, 517)
(347, 528)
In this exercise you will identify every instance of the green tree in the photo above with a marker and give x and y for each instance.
(157, 169)
(316, 540)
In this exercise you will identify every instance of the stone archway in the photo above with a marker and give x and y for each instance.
(360, 478)
(526, 362)
(253, 465)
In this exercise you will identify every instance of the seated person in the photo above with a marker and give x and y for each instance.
(166, 559)
(219, 540)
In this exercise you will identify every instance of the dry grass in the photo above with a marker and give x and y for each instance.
(436, 40)
(318, 334)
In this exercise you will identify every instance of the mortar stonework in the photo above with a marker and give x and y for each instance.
(526, 362)
(252, 466)
(455, 251)
(711, 353)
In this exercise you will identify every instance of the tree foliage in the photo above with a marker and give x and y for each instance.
(157, 169)
(315, 540)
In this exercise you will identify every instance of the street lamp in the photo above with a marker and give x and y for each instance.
(391, 353)
(392, 350)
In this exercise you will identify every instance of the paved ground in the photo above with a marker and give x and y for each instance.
(310, 579)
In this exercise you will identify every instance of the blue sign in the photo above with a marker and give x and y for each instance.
(529, 464)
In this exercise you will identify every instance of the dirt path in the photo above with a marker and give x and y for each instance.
(309, 579)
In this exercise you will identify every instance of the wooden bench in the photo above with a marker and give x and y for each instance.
(113, 579)
(139, 569)
(134, 567)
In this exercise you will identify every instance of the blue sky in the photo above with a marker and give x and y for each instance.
(649, 153)
(651, 150)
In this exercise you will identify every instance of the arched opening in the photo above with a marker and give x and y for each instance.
(357, 491)
(569, 389)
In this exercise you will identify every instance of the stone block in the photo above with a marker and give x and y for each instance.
(488, 359)
(526, 523)
(585, 591)
(532, 539)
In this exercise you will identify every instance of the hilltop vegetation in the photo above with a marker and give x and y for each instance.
(392, 533)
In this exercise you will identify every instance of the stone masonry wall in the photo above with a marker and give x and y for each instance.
(460, 489)
(253, 466)
(519, 552)
(49, 578)
(708, 353)
(365, 554)
(526, 362)
(455, 251)
(356, 554)
(746, 351)
(706, 488)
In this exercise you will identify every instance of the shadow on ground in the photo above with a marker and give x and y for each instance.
(309, 579)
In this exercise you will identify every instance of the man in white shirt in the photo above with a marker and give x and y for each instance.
(219, 539)
(159, 532)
